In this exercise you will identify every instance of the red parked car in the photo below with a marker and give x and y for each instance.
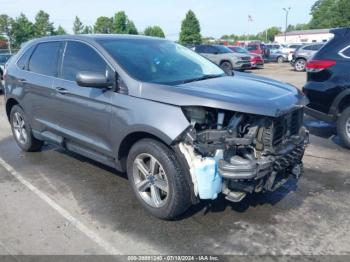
(256, 60)
(256, 48)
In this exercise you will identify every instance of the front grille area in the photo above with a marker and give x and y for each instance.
(286, 126)
(281, 129)
(246, 58)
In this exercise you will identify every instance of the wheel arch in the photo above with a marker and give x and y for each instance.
(9, 105)
(340, 103)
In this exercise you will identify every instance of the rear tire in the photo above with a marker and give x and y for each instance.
(174, 198)
(300, 65)
(343, 127)
(22, 132)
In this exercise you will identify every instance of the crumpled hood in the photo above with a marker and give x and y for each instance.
(242, 92)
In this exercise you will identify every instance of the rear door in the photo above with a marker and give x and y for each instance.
(36, 78)
(83, 112)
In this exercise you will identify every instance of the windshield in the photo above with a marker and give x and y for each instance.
(239, 49)
(159, 61)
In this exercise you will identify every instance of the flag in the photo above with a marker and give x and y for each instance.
(250, 18)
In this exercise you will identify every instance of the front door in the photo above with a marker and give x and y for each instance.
(84, 112)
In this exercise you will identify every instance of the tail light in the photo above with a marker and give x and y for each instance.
(315, 66)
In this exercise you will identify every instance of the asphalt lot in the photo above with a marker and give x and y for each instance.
(55, 202)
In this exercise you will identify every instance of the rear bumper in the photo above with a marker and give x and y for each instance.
(320, 115)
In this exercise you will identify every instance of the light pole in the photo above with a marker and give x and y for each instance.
(286, 10)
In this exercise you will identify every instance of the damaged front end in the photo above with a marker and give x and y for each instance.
(237, 153)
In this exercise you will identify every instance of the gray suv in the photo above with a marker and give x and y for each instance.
(224, 57)
(181, 128)
(304, 53)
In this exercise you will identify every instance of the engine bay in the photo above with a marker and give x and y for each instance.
(252, 153)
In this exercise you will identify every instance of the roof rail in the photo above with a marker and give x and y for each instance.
(341, 31)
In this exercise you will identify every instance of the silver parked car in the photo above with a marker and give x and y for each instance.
(304, 53)
(224, 57)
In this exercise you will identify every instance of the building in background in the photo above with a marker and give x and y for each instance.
(304, 36)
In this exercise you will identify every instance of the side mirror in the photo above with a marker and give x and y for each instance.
(92, 79)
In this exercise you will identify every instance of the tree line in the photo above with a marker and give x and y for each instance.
(21, 29)
(324, 14)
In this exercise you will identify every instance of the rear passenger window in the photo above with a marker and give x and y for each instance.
(81, 57)
(44, 60)
(23, 61)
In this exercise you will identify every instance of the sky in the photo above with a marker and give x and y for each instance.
(217, 17)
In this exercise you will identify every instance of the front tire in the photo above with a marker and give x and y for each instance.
(22, 131)
(226, 66)
(157, 179)
(343, 127)
(280, 60)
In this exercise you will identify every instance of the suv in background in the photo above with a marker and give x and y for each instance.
(302, 54)
(256, 61)
(224, 57)
(328, 83)
(179, 126)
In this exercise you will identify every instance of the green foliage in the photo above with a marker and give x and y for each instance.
(122, 24)
(131, 28)
(22, 30)
(42, 25)
(154, 31)
(60, 31)
(298, 27)
(330, 14)
(87, 30)
(190, 30)
(5, 24)
(103, 25)
(78, 26)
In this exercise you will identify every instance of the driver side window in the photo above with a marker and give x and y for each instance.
(81, 57)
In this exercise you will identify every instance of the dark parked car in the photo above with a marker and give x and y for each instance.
(277, 57)
(328, 83)
(181, 128)
(302, 54)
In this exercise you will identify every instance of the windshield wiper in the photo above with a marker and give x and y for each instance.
(203, 77)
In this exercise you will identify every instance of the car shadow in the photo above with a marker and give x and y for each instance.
(323, 129)
(251, 200)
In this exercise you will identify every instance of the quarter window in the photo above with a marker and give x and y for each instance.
(81, 57)
(45, 59)
(23, 61)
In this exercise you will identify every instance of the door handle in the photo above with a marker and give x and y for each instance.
(22, 80)
(62, 90)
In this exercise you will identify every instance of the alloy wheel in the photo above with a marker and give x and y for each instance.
(300, 65)
(150, 180)
(19, 128)
(347, 127)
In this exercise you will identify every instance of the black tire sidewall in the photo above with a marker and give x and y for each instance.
(228, 67)
(341, 127)
(171, 167)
